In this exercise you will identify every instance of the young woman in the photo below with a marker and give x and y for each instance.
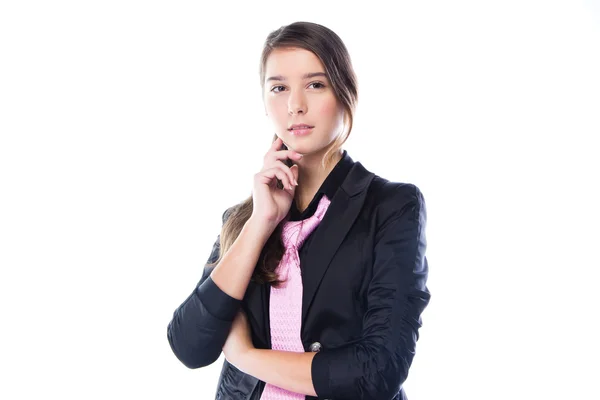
(316, 283)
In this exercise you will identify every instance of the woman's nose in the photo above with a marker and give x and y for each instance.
(296, 104)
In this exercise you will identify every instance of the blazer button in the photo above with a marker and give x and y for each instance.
(316, 347)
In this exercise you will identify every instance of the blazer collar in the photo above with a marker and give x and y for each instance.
(329, 187)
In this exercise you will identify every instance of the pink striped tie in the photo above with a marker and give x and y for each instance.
(285, 305)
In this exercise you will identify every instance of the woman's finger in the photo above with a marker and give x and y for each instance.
(275, 153)
(276, 144)
(265, 176)
(287, 170)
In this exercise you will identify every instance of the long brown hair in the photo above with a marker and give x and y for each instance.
(332, 53)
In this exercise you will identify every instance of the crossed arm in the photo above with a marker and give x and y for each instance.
(373, 367)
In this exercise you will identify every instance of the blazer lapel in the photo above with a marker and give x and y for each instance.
(339, 218)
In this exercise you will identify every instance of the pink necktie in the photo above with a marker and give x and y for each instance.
(285, 304)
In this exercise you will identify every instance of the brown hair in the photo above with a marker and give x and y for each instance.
(332, 53)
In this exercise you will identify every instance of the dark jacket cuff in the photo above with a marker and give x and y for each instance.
(218, 303)
(320, 375)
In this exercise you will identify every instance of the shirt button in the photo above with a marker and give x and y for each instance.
(316, 347)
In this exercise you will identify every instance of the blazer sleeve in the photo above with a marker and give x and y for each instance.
(201, 324)
(376, 365)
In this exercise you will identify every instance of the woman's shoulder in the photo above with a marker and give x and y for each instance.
(383, 190)
(388, 198)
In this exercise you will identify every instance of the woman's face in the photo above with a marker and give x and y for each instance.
(297, 91)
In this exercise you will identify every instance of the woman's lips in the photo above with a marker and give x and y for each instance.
(301, 131)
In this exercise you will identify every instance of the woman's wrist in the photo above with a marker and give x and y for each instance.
(259, 229)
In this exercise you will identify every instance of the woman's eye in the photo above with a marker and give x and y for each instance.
(275, 87)
(318, 83)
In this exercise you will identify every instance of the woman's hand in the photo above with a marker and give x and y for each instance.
(270, 204)
(239, 341)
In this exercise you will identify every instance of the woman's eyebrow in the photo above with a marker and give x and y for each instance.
(305, 76)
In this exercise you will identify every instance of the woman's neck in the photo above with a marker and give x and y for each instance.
(311, 176)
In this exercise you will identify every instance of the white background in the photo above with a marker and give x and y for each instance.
(128, 127)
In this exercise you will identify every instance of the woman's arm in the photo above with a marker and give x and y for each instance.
(285, 369)
(201, 324)
(377, 365)
(233, 273)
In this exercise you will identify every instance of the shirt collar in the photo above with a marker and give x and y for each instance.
(329, 187)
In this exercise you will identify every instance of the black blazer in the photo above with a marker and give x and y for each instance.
(364, 289)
